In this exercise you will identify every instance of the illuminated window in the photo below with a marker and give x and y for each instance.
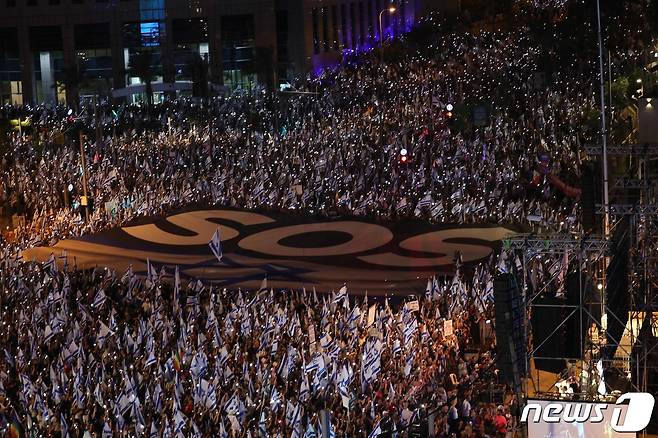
(150, 34)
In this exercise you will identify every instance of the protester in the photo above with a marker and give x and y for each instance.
(89, 351)
(337, 153)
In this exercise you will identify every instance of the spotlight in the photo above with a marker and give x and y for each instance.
(449, 107)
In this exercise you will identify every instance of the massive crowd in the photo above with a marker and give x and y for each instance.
(101, 354)
(94, 354)
(338, 152)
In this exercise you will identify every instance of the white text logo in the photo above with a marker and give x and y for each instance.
(638, 412)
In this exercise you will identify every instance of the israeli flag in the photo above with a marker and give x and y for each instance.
(151, 272)
(151, 359)
(262, 426)
(107, 432)
(70, 351)
(51, 266)
(429, 290)
(330, 428)
(296, 421)
(215, 245)
(99, 299)
(275, 399)
(310, 431)
(397, 348)
(342, 294)
(157, 398)
(304, 389)
(180, 422)
(64, 426)
(48, 334)
(376, 431)
(426, 201)
(103, 333)
(154, 431)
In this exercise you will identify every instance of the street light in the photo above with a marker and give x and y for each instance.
(391, 10)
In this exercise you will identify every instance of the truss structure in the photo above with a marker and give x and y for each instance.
(629, 209)
(642, 150)
(561, 250)
(634, 201)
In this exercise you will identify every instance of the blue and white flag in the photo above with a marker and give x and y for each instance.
(215, 245)
(157, 398)
(275, 399)
(64, 425)
(304, 389)
(342, 294)
(310, 431)
(70, 351)
(154, 431)
(222, 430)
(107, 432)
(262, 426)
(176, 305)
(211, 394)
(199, 365)
(371, 361)
(99, 299)
(151, 360)
(104, 332)
(232, 406)
(376, 431)
(179, 421)
(48, 334)
(329, 432)
(397, 348)
(151, 273)
(51, 266)
(295, 421)
(429, 290)
(408, 364)
(410, 327)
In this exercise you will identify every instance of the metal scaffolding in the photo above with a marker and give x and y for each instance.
(635, 192)
(642, 150)
(565, 249)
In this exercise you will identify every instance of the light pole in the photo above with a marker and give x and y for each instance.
(390, 10)
(604, 133)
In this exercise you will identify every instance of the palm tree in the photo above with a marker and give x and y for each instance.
(263, 66)
(199, 69)
(70, 80)
(140, 67)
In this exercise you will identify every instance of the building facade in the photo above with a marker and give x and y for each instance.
(54, 50)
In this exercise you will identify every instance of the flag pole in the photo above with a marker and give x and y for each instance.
(84, 175)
